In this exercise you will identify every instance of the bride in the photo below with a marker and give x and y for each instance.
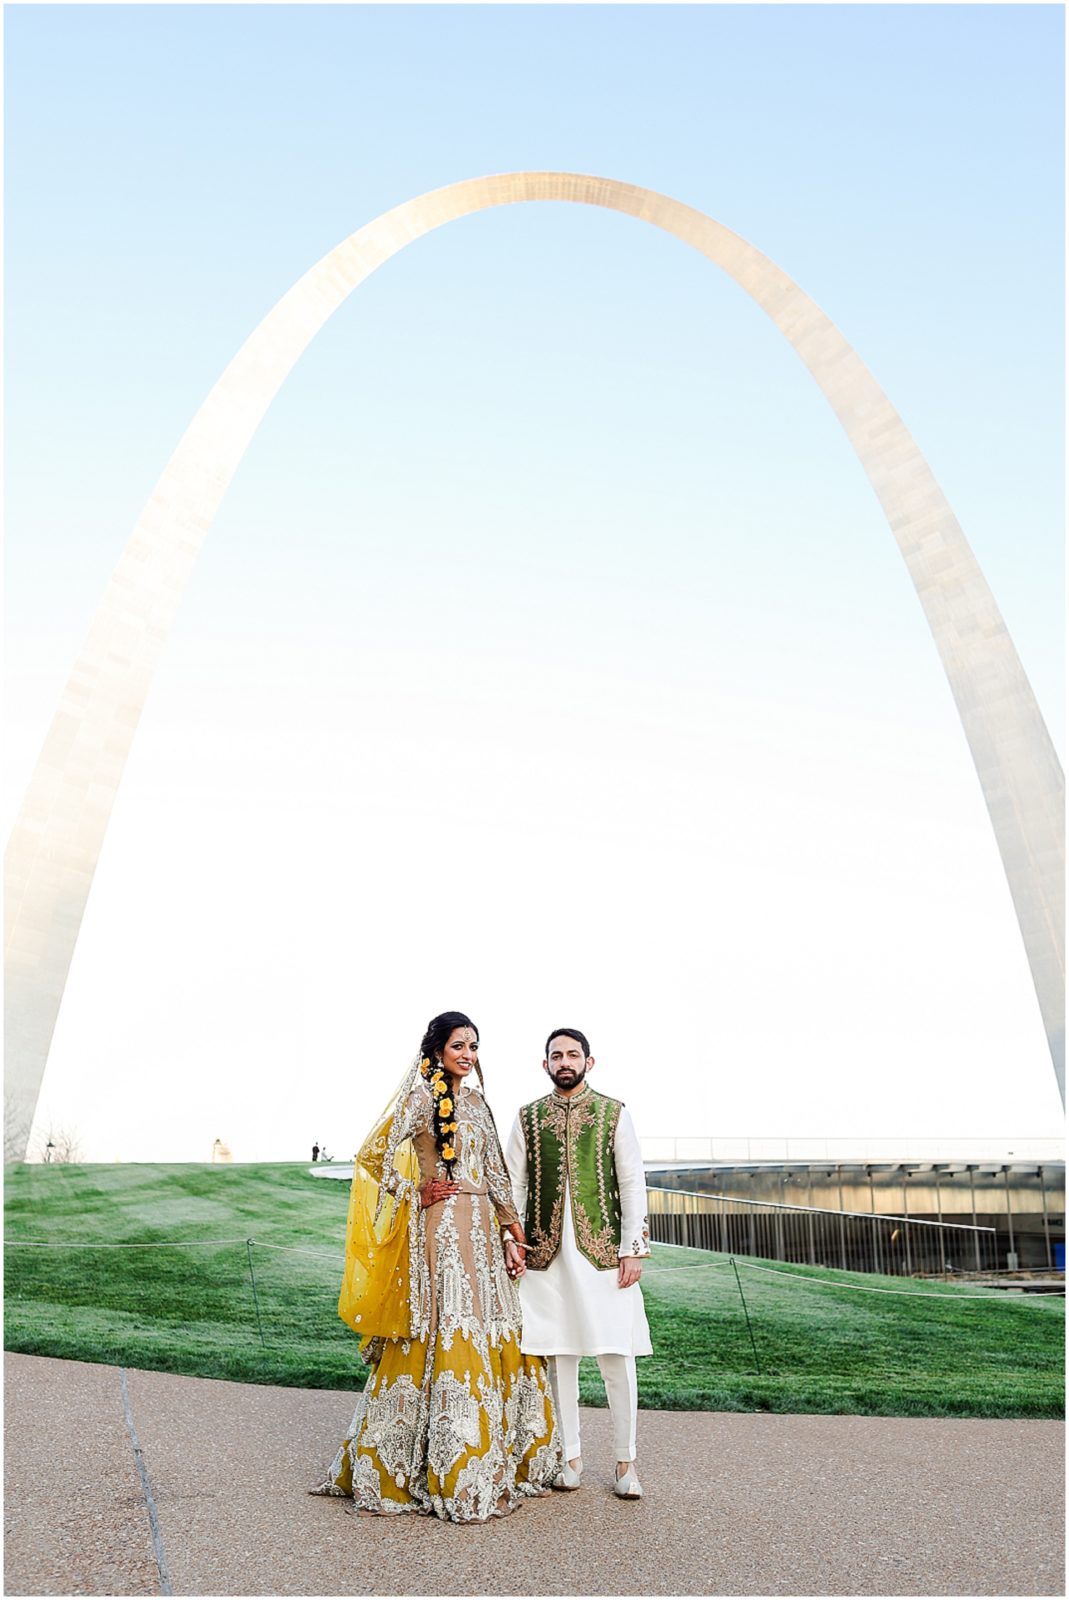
(454, 1420)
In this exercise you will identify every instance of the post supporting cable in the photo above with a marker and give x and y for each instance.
(252, 1274)
(746, 1314)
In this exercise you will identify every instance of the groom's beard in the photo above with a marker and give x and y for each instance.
(565, 1078)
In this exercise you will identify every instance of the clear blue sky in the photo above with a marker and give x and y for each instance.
(546, 448)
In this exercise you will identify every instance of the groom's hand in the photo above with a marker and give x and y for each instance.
(630, 1271)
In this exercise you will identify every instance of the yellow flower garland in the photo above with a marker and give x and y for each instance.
(443, 1108)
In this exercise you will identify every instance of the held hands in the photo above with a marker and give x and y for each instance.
(515, 1265)
(630, 1271)
(436, 1189)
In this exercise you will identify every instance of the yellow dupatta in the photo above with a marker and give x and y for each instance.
(380, 1230)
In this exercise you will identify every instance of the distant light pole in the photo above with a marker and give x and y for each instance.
(49, 1147)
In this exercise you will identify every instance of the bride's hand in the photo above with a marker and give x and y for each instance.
(515, 1265)
(436, 1189)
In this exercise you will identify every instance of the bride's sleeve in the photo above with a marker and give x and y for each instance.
(413, 1117)
(497, 1181)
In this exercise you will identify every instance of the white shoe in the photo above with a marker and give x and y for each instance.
(568, 1477)
(628, 1487)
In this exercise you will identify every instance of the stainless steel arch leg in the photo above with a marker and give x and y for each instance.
(56, 841)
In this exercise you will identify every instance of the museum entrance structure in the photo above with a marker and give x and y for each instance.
(57, 837)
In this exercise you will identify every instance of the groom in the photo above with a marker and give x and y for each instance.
(578, 1179)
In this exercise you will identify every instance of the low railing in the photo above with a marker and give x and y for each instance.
(870, 1147)
(852, 1240)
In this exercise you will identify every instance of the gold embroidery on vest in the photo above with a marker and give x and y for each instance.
(548, 1248)
(565, 1122)
(600, 1246)
(557, 1116)
(600, 1165)
(540, 1248)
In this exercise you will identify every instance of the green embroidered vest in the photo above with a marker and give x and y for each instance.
(572, 1138)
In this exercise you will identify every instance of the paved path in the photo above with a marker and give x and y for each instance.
(735, 1504)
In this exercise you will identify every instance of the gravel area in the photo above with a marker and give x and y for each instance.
(735, 1504)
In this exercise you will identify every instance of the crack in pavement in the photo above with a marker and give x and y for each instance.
(146, 1488)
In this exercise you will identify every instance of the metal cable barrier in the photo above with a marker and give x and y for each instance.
(259, 1309)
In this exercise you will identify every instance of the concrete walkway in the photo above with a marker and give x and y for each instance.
(197, 1487)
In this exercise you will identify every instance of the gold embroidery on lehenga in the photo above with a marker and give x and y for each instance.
(454, 1424)
(455, 1421)
(391, 1424)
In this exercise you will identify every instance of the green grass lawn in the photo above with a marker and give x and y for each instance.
(190, 1307)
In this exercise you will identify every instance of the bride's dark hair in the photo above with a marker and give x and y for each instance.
(435, 1040)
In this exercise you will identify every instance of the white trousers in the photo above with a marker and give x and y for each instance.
(621, 1389)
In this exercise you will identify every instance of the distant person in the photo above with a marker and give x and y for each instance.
(578, 1179)
(315, 1152)
(454, 1421)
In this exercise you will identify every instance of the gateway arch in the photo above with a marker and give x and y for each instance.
(57, 838)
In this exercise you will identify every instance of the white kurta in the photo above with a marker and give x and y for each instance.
(574, 1308)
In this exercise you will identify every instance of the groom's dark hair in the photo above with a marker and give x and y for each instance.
(568, 1033)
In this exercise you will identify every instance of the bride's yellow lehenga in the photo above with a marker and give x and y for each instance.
(454, 1420)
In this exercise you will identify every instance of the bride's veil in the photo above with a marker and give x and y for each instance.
(379, 1292)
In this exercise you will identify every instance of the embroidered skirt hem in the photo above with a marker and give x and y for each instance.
(468, 1445)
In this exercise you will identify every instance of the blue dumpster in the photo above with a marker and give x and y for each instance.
(1059, 1257)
